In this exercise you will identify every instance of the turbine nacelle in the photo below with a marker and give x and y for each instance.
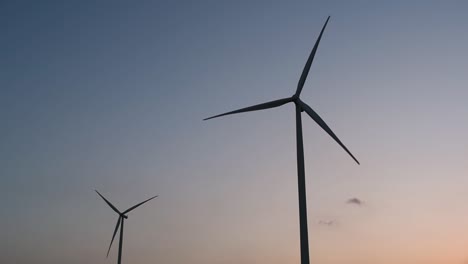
(295, 99)
(124, 216)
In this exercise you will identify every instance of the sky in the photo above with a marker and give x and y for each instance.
(110, 95)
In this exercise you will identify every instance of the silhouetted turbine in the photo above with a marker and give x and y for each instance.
(300, 107)
(120, 222)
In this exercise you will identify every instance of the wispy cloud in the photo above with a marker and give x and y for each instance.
(355, 201)
(326, 223)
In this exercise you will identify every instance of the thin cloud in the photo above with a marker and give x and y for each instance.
(355, 201)
(326, 223)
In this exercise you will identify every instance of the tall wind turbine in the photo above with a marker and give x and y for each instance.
(300, 107)
(120, 223)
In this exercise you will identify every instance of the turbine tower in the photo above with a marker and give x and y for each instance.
(300, 107)
(120, 223)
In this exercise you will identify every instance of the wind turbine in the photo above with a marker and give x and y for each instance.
(300, 107)
(120, 222)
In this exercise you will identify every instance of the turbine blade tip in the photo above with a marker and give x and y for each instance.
(208, 118)
(357, 161)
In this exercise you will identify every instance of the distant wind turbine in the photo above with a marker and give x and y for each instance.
(300, 107)
(120, 222)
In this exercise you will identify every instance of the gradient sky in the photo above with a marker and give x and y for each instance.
(110, 95)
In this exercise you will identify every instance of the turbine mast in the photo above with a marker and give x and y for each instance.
(304, 234)
(119, 261)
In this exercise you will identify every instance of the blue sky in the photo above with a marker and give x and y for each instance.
(111, 96)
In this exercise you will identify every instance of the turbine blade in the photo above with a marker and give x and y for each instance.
(263, 106)
(113, 236)
(323, 125)
(111, 205)
(135, 206)
(306, 69)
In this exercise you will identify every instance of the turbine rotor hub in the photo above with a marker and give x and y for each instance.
(295, 99)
